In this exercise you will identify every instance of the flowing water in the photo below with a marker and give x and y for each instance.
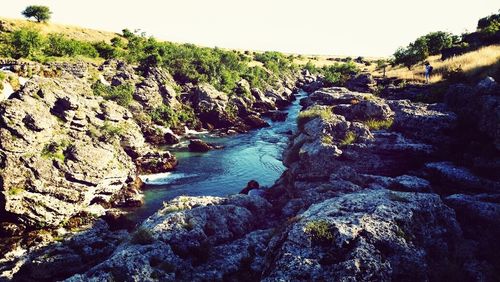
(254, 155)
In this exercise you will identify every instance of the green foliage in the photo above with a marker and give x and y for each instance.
(312, 113)
(417, 51)
(106, 51)
(54, 150)
(40, 13)
(488, 21)
(164, 115)
(311, 67)
(121, 94)
(142, 237)
(24, 43)
(437, 41)
(338, 73)
(319, 230)
(350, 138)
(58, 45)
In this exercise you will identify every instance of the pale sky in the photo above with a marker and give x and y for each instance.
(330, 27)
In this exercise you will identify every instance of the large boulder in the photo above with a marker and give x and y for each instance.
(430, 123)
(212, 106)
(362, 82)
(372, 235)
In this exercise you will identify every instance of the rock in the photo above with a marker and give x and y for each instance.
(155, 162)
(313, 86)
(277, 115)
(362, 82)
(170, 138)
(255, 121)
(53, 168)
(487, 85)
(376, 234)
(429, 123)
(198, 145)
(192, 238)
(481, 112)
(211, 106)
(459, 179)
(71, 256)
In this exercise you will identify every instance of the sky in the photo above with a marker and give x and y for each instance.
(322, 27)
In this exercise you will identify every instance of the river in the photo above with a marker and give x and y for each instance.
(254, 155)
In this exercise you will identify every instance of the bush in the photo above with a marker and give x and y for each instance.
(58, 45)
(54, 150)
(338, 73)
(106, 51)
(40, 13)
(25, 43)
(121, 94)
(164, 115)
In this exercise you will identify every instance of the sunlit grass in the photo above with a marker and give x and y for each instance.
(375, 124)
(476, 64)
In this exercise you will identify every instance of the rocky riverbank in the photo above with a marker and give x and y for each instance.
(376, 189)
(69, 155)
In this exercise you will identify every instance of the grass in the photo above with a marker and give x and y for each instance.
(15, 191)
(327, 139)
(312, 113)
(319, 230)
(475, 64)
(350, 138)
(375, 124)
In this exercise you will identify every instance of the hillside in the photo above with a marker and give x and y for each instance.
(74, 32)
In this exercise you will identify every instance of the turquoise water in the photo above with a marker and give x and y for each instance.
(254, 155)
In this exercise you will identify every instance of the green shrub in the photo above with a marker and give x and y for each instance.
(121, 94)
(142, 237)
(58, 45)
(54, 150)
(338, 73)
(25, 43)
(312, 113)
(106, 51)
(164, 115)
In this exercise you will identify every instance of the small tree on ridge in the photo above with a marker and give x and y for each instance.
(40, 13)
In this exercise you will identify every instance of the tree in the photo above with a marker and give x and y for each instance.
(437, 41)
(40, 13)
